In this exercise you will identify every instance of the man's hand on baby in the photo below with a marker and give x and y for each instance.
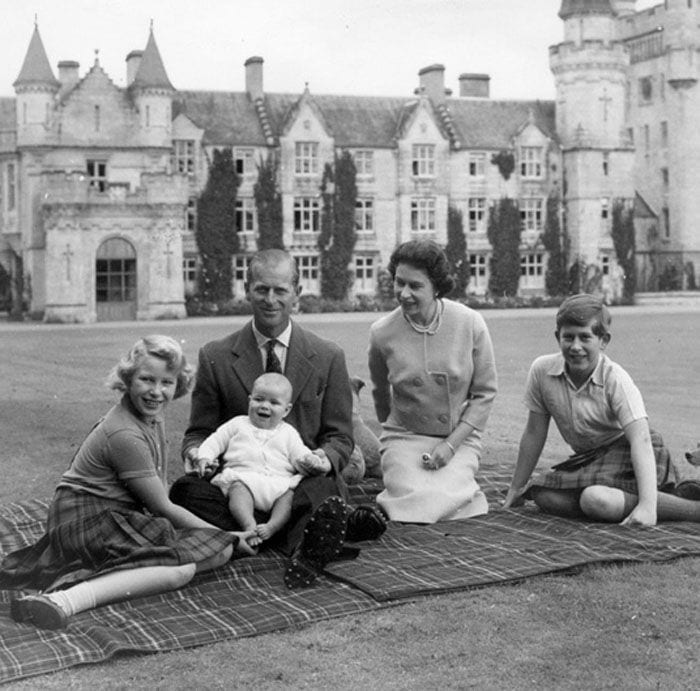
(316, 463)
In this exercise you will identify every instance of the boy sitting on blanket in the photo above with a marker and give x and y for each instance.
(618, 462)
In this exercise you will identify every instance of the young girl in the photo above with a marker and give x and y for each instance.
(618, 464)
(112, 533)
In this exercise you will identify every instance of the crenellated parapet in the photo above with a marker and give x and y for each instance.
(586, 55)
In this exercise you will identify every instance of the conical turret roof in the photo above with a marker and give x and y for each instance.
(36, 69)
(151, 72)
(571, 8)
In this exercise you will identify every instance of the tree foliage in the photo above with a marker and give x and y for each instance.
(556, 277)
(336, 241)
(216, 232)
(268, 203)
(505, 160)
(456, 251)
(503, 232)
(624, 241)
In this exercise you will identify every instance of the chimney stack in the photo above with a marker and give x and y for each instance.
(68, 74)
(254, 78)
(432, 83)
(133, 60)
(474, 85)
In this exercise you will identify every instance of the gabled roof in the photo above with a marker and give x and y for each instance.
(360, 121)
(151, 72)
(642, 208)
(36, 69)
(488, 124)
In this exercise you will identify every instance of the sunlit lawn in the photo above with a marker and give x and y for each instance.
(543, 632)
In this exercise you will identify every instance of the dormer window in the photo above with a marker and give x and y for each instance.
(531, 161)
(423, 162)
(306, 158)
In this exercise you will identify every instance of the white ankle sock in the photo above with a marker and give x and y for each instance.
(75, 599)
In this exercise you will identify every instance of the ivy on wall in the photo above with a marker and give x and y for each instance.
(555, 241)
(337, 238)
(503, 232)
(505, 160)
(268, 204)
(622, 232)
(456, 251)
(215, 231)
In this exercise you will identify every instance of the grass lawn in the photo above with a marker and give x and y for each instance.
(630, 627)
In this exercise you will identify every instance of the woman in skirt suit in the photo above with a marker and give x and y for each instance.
(433, 380)
(112, 533)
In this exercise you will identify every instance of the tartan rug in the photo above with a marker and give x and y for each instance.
(248, 596)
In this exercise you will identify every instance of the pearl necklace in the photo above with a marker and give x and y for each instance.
(431, 328)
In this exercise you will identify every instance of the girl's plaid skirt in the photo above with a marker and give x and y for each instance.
(610, 465)
(87, 536)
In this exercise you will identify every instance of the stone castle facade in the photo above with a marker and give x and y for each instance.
(98, 183)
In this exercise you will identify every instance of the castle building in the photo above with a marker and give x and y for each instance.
(99, 183)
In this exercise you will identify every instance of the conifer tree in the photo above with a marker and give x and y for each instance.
(556, 277)
(504, 235)
(336, 241)
(456, 250)
(268, 203)
(624, 241)
(216, 232)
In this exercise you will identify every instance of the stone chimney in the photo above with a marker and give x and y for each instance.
(432, 83)
(474, 85)
(68, 74)
(254, 78)
(133, 60)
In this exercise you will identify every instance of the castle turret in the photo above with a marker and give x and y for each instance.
(152, 93)
(36, 88)
(590, 69)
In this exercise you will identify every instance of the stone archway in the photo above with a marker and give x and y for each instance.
(115, 280)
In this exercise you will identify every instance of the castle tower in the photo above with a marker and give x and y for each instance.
(152, 93)
(35, 87)
(590, 70)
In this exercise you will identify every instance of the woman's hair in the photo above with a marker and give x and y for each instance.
(162, 347)
(427, 256)
(581, 309)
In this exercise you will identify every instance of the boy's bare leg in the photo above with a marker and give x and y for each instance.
(559, 502)
(280, 514)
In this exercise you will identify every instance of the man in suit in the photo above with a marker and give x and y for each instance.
(321, 413)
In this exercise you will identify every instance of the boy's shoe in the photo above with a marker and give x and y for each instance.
(366, 522)
(38, 610)
(323, 539)
(690, 489)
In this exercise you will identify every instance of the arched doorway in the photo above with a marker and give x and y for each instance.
(115, 280)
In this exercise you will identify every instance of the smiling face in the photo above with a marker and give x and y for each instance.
(581, 349)
(415, 293)
(270, 401)
(273, 296)
(152, 387)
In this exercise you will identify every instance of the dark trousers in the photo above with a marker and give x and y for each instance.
(209, 503)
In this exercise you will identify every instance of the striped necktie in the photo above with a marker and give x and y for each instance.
(272, 363)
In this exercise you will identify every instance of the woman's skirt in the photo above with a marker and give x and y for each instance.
(610, 465)
(413, 494)
(88, 536)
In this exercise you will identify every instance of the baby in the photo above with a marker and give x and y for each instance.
(264, 458)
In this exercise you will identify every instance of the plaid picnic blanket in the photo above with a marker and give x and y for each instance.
(248, 597)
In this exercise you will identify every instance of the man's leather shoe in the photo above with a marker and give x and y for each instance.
(365, 523)
(323, 539)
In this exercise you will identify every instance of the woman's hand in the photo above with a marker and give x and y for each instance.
(514, 497)
(643, 516)
(442, 454)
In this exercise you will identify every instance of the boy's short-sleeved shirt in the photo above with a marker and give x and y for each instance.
(591, 416)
